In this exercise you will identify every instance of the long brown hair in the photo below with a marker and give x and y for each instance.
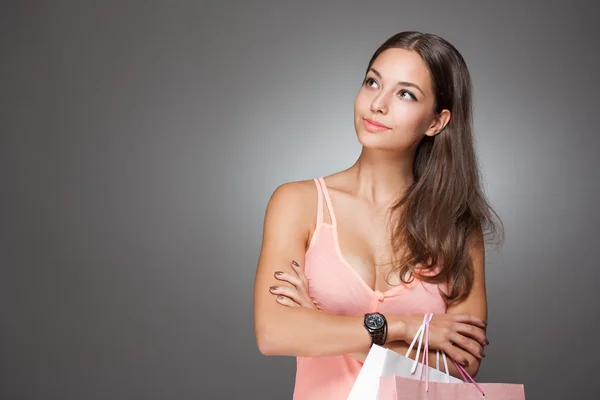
(445, 211)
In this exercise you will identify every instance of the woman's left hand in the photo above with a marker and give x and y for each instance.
(296, 296)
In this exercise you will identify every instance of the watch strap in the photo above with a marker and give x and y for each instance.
(379, 336)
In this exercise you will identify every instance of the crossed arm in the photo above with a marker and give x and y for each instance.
(299, 329)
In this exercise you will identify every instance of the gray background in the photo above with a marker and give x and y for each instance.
(140, 142)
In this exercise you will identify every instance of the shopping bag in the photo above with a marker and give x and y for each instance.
(401, 388)
(384, 362)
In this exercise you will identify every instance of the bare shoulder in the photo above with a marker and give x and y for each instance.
(296, 196)
(294, 191)
(293, 203)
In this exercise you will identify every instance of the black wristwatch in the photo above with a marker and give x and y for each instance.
(377, 326)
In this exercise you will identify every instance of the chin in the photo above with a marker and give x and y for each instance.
(373, 140)
(382, 141)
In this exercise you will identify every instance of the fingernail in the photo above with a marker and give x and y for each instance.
(280, 297)
(466, 363)
(295, 264)
(278, 273)
(273, 288)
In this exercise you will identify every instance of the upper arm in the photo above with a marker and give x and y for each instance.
(285, 235)
(476, 301)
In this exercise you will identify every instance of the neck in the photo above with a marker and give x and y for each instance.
(382, 176)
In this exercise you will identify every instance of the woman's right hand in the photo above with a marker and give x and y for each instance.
(457, 335)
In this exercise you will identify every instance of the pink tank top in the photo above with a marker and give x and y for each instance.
(338, 289)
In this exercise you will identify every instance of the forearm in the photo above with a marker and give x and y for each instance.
(309, 333)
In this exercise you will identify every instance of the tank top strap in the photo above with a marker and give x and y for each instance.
(319, 202)
(328, 201)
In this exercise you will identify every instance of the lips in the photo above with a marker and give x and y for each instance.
(375, 123)
(374, 126)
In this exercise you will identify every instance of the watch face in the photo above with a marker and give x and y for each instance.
(374, 321)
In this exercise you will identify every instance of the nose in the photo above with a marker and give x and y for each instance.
(380, 103)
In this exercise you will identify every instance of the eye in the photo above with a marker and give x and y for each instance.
(405, 94)
(370, 81)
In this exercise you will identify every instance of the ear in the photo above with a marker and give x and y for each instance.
(438, 123)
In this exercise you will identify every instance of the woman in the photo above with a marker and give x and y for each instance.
(358, 257)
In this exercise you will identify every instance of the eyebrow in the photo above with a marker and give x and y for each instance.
(401, 83)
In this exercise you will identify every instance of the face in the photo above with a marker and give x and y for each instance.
(394, 107)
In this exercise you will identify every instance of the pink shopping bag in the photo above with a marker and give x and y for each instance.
(400, 388)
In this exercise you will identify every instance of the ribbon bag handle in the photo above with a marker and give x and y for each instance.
(419, 336)
(437, 363)
(465, 375)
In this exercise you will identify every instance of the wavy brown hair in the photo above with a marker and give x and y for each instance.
(445, 211)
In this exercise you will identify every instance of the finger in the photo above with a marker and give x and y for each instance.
(315, 303)
(469, 319)
(291, 278)
(467, 344)
(286, 301)
(300, 272)
(459, 355)
(472, 332)
(292, 294)
(294, 280)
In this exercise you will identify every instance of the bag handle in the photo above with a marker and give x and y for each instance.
(419, 336)
(465, 375)
(437, 362)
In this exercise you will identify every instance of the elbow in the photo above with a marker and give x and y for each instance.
(267, 343)
(276, 336)
(278, 344)
(265, 347)
(473, 368)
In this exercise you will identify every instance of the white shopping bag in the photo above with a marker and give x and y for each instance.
(384, 362)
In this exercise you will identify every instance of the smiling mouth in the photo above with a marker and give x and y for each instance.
(373, 126)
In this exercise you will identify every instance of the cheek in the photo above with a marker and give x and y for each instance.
(361, 108)
(410, 118)
(406, 114)
(361, 103)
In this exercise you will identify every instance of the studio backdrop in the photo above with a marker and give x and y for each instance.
(140, 142)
